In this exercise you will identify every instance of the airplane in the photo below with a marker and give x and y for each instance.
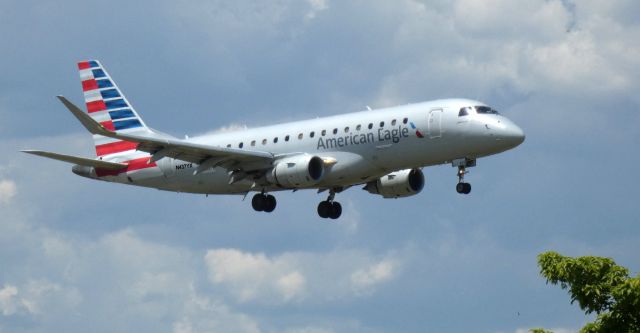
(382, 150)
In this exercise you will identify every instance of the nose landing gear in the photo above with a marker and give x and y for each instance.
(263, 202)
(329, 208)
(463, 164)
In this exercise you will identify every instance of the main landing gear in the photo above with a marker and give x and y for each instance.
(463, 164)
(263, 202)
(329, 208)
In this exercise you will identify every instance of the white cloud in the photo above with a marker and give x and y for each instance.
(34, 296)
(254, 275)
(316, 7)
(297, 276)
(228, 129)
(310, 329)
(540, 48)
(291, 285)
(60, 279)
(8, 190)
(363, 280)
(201, 314)
(530, 20)
(118, 276)
(8, 300)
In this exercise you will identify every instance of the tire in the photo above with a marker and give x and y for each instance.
(269, 203)
(460, 187)
(258, 202)
(336, 210)
(324, 209)
(467, 188)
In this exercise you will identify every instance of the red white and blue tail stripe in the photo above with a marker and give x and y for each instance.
(108, 106)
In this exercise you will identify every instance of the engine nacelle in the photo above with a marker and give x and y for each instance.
(403, 183)
(297, 171)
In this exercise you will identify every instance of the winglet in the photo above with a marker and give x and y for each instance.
(86, 120)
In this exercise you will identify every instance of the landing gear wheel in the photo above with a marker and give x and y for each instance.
(329, 208)
(336, 210)
(258, 202)
(467, 188)
(463, 188)
(269, 203)
(324, 209)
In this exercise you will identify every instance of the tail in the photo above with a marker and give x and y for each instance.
(107, 105)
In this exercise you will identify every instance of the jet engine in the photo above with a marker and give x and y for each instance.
(297, 171)
(397, 184)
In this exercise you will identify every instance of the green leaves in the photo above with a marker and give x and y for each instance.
(598, 285)
(539, 330)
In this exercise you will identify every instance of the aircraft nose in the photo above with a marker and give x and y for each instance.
(513, 135)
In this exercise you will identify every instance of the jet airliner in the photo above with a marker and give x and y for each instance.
(382, 150)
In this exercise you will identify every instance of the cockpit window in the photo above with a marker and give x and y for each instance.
(485, 110)
(463, 112)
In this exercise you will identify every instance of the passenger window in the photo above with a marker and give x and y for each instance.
(463, 112)
(275, 140)
(253, 143)
(300, 136)
(229, 146)
(346, 129)
(370, 125)
(335, 131)
(393, 122)
(312, 134)
(324, 132)
(358, 127)
(264, 142)
(286, 138)
(405, 120)
(382, 124)
(240, 145)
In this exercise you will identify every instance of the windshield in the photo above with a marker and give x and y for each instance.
(485, 110)
(467, 110)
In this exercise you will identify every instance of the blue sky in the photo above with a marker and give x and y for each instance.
(77, 255)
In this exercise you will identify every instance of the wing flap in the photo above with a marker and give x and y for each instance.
(78, 160)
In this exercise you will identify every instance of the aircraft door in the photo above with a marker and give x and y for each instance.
(435, 123)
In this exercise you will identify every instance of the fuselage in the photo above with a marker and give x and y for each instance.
(383, 149)
(365, 146)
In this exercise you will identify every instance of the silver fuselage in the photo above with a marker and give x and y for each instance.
(362, 152)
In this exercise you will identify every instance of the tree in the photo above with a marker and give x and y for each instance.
(598, 285)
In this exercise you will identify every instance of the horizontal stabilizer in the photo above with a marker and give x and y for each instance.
(78, 160)
(86, 120)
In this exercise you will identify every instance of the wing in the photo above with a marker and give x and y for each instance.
(160, 145)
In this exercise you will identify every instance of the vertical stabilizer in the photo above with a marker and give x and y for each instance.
(107, 105)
